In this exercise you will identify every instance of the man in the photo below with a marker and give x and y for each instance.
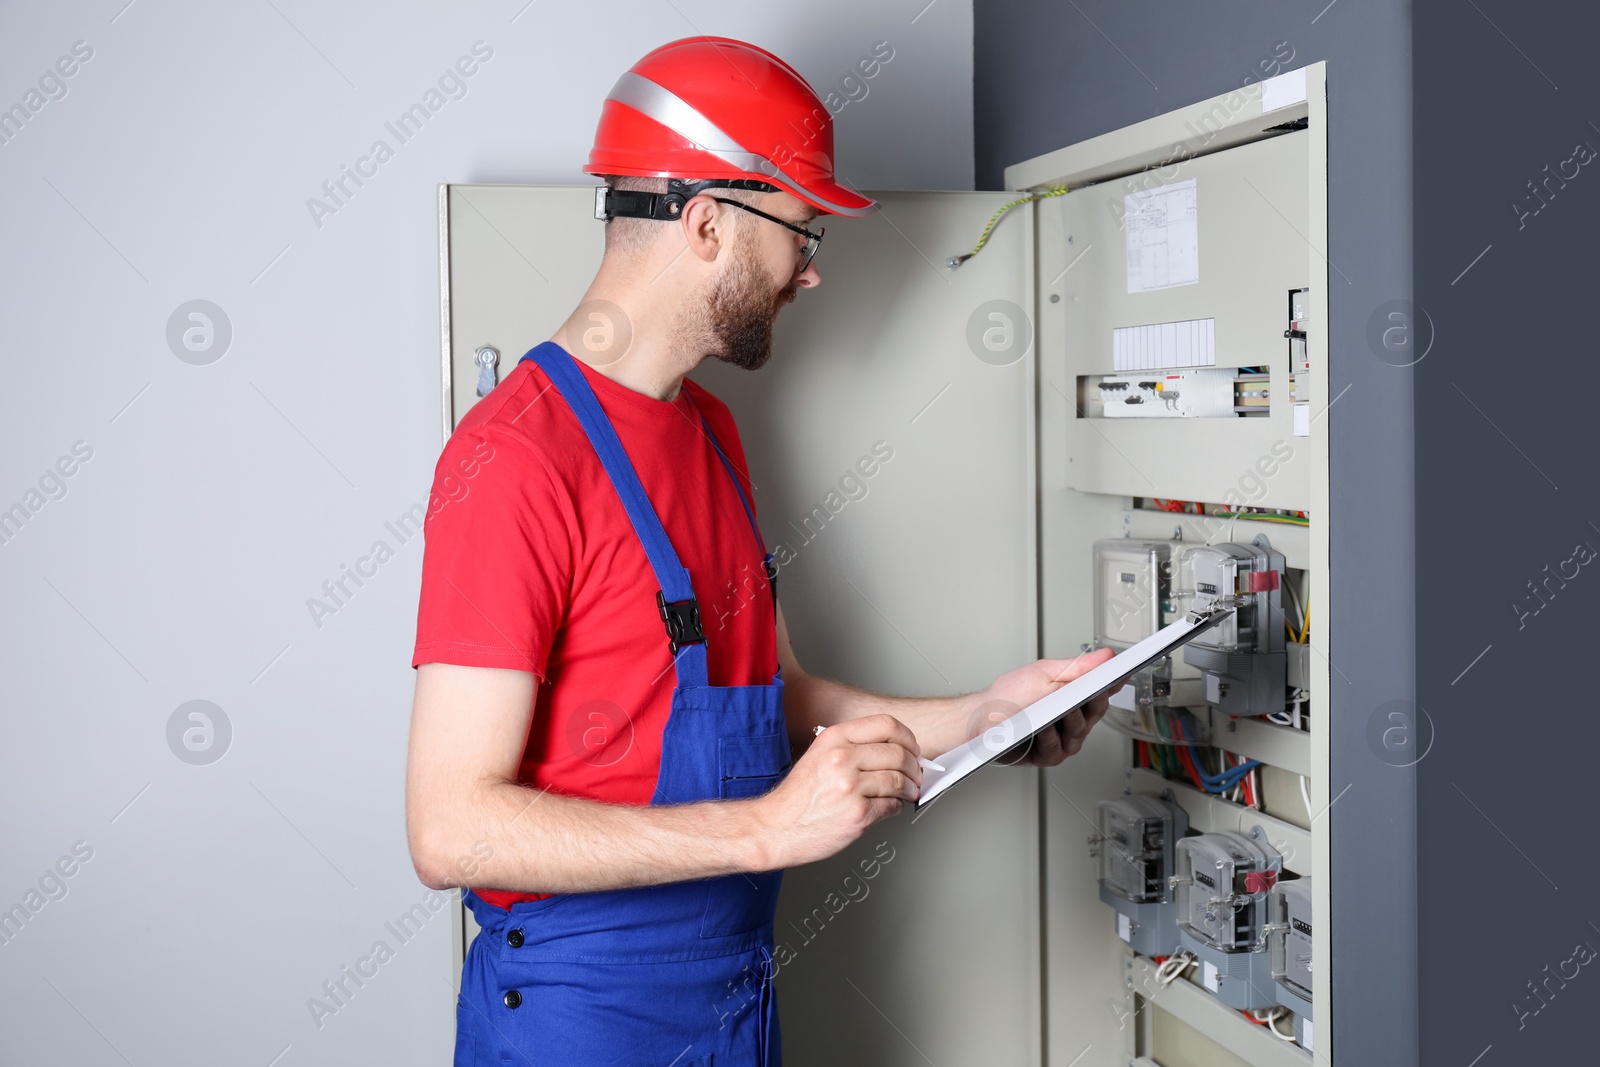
(612, 776)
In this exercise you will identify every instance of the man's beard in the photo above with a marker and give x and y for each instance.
(740, 312)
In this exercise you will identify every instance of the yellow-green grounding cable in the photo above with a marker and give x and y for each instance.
(955, 261)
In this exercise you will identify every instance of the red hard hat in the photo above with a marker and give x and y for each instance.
(713, 107)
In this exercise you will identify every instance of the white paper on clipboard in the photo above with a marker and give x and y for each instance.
(1004, 736)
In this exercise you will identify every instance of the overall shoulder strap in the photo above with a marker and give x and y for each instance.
(749, 513)
(675, 600)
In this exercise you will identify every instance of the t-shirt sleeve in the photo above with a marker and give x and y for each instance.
(497, 557)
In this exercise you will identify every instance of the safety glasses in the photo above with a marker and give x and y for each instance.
(813, 240)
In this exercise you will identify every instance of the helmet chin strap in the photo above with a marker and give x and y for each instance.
(612, 203)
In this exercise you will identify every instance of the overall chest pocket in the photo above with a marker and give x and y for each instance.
(746, 767)
(751, 766)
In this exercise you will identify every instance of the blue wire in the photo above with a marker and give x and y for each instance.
(1229, 778)
(1232, 775)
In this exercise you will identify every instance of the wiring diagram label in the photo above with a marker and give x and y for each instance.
(1163, 227)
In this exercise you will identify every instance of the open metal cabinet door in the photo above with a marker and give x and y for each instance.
(891, 442)
(920, 580)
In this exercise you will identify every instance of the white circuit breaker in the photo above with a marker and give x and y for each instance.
(1205, 393)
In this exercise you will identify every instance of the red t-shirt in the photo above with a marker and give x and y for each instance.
(530, 563)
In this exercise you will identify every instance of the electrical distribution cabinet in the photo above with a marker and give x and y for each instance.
(1180, 280)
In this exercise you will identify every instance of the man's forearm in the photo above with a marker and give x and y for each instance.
(940, 723)
(526, 840)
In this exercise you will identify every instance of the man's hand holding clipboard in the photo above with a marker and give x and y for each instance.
(1052, 725)
(1026, 685)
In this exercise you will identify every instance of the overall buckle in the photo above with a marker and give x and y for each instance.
(682, 619)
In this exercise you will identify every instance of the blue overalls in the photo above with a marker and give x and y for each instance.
(677, 974)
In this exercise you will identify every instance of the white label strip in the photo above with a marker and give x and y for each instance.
(1165, 345)
(1302, 420)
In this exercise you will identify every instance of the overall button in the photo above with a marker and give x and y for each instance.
(514, 938)
(513, 998)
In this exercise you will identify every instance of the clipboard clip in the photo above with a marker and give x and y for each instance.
(1217, 609)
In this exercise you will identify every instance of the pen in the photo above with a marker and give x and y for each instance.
(926, 763)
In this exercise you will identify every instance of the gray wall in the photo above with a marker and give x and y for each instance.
(208, 503)
(1047, 75)
(1506, 797)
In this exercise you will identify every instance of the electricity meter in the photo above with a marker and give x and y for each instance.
(1222, 882)
(1289, 936)
(1132, 590)
(1134, 840)
(1242, 659)
(1133, 600)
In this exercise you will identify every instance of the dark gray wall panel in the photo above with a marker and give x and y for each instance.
(1505, 802)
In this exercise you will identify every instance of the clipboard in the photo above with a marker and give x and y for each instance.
(963, 760)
